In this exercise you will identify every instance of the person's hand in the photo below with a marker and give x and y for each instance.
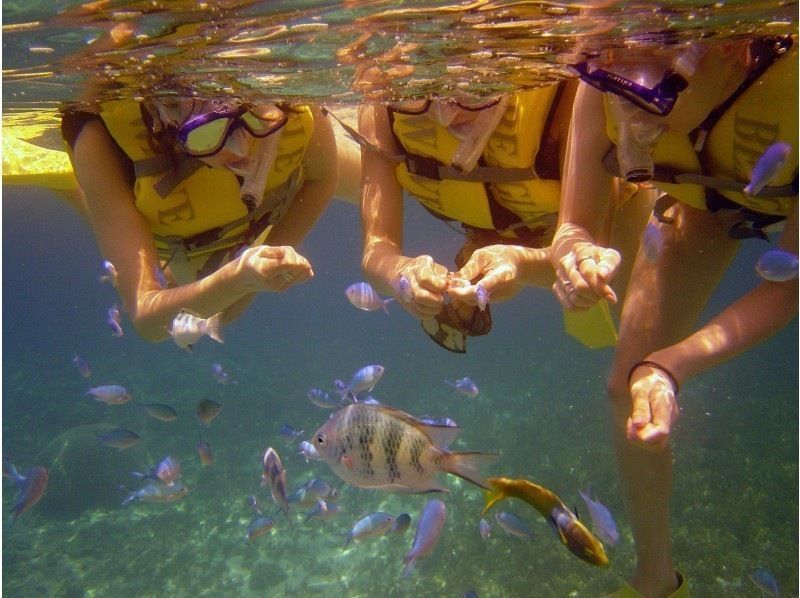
(654, 407)
(490, 274)
(583, 275)
(267, 268)
(420, 285)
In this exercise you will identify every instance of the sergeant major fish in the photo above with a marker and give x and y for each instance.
(374, 446)
(188, 328)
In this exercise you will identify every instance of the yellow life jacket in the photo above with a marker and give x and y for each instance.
(513, 145)
(208, 199)
(765, 112)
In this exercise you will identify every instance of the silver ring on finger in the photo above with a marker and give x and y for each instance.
(583, 259)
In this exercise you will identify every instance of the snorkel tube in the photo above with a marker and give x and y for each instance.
(639, 96)
(255, 181)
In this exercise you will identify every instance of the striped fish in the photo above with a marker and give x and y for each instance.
(375, 446)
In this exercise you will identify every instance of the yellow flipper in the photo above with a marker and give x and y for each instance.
(594, 327)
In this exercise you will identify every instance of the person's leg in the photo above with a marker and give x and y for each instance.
(663, 302)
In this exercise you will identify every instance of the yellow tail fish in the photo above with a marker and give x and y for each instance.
(572, 533)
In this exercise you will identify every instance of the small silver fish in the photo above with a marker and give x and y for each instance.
(777, 265)
(653, 241)
(188, 328)
(323, 510)
(429, 529)
(112, 394)
(370, 526)
(400, 525)
(323, 399)
(603, 522)
(364, 380)
(484, 529)
(308, 451)
(205, 453)
(159, 411)
(362, 296)
(374, 446)
(481, 297)
(274, 476)
(114, 321)
(168, 471)
(289, 434)
(82, 365)
(258, 527)
(403, 289)
(767, 167)
(513, 525)
(466, 386)
(765, 581)
(219, 373)
(119, 438)
(157, 492)
(109, 274)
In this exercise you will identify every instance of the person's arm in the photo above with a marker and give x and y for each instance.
(321, 178)
(745, 323)
(383, 261)
(124, 238)
(308, 205)
(583, 268)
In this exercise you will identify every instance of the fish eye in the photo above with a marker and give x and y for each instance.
(320, 439)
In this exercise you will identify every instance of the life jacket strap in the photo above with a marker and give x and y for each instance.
(174, 174)
(433, 169)
(670, 175)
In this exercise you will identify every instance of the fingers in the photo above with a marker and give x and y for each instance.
(424, 286)
(583, 275)
(275, 268)
(654, 411)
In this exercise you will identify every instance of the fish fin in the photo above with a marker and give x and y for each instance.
(493, 495)
(190, 349)
(386, 302)
(214, 327)
(466, 465)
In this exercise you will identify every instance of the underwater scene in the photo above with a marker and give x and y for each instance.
(198, 472)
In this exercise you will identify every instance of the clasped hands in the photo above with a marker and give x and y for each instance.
(491, 274)
(268, 268)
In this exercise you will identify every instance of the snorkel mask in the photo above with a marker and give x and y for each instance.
(201, 129)
(637, 100)
(204, 134)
